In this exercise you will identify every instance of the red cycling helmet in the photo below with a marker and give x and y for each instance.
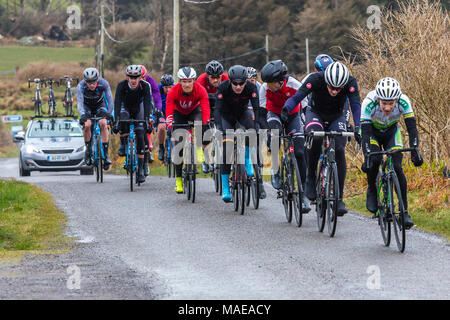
(144, 71)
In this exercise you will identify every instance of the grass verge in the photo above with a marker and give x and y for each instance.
(29, 221)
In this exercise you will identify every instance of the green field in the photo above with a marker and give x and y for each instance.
(19, 56)
(30, 221)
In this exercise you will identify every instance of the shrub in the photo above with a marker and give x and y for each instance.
(413, 47)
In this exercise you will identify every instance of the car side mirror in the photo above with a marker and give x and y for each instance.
(20, 136)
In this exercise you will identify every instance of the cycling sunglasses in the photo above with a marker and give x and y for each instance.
(334, 88)
(134, 77)
(238, 84)
(91, 81)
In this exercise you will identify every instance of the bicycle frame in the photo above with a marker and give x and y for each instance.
(37, 96)
(96, 136)
(51, 97)
(68, 96)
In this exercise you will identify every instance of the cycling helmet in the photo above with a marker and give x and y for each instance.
(90, 74)
(167, 80)
(237, 72)
(252, 73)
(144, 70)
(274, 71)
(388, 89)
(186, 73)
(214, 68)
(336, 75)
(322, 62)
(134, 71)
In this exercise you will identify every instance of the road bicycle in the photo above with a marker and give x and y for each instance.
(189, 170)
(131, 161)
(51, 97)
(389, 199)
(97, 152)
(68, 95)
(291, 191)
(216, 155)
(37, 96)
(170, 167)
(327, 180)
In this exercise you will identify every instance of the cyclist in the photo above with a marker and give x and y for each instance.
(277, 88)
(94, 99)
(380, 113)
(167, 82)
(133, 101)
(330, 90)
(232, 108)
(186, 101)
(158, 105)
(212, 77)
(252, 75)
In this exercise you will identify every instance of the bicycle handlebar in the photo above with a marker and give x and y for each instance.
(133, 121)
(330, 133)
(391, 152)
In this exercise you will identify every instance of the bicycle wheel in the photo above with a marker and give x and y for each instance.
(193, 182)
(332, 198)
(287, 202)
(242, 184)
(320, 199)
(99, 160)
(248, 188)
(95, 162)
(254, 186)
(296, 189)
(216, 178)
(234, 187)
(396, 209)
(383, 220)
(188, 181)
(132, 159)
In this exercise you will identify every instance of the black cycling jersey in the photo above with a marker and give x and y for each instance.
(131, 99)
(229, 103)
(322, 103)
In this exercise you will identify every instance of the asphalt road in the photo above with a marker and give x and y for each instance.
(179, 250)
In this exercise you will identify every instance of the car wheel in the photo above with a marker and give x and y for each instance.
(87, 172)
(22, 171)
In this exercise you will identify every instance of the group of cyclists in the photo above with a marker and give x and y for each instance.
(227, 101)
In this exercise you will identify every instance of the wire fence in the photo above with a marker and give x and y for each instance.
(8, 74)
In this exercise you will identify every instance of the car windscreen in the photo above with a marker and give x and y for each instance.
(52, 128)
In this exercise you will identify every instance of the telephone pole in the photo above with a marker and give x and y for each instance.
(307, 56)
(267, 48)
(176, 38)
(102, 38)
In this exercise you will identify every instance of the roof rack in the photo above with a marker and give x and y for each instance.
(53, 117)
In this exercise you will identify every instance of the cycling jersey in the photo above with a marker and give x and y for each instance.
(322, 103)
(91, 100)
(155, 91)
(203, 80)
(185, 103)
(371, 111)
(274, 100)
(132, 99)
(231, 104)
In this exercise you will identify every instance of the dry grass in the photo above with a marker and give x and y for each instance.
(413, 47)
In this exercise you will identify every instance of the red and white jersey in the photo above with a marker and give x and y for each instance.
(274, 101)
(203, 80)
(186, 103)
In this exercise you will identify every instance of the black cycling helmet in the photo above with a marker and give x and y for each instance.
(167, 80)
(214, 68)
(238, 72)
(274, 71)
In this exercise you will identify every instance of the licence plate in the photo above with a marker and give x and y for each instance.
(58, 157)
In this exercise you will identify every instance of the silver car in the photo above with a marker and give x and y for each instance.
(52, 145)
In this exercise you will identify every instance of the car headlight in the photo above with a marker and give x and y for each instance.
(31, 149)
(82, 148)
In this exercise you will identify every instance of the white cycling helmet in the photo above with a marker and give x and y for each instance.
(134, 70)
(252, 73)
(388, 89)
(186, 73)
(336, 75)
(90, 74)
